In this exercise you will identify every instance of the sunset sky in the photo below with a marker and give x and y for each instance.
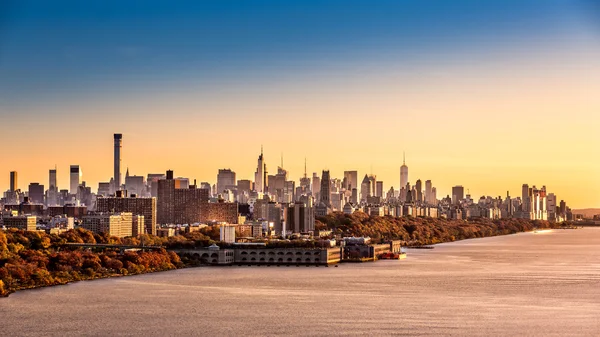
(484, 94)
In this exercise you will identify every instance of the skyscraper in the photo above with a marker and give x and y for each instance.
(225, 180)
(428, 192)
(419, 188)
(379, 189)
(365, 188)
(458, 194)
(316, 185)
(52, 195)
(117, 165)
(75, 179)
(52, 179)
(36, 193)
(351, 180)
(403, 173)
(325, 188)
(260, 174)
(13, 181)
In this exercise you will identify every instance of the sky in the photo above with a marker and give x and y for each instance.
(485, 94)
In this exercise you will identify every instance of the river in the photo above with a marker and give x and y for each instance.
(542, 284)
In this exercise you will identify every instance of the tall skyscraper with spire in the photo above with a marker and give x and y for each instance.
(403, 172)
(260, 179)
(117, 163)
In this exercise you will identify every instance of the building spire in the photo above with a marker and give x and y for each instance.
(261, 149)
(403, 158)
(304, 167)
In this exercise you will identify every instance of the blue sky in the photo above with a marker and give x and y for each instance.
(465, 87)
(58, 49)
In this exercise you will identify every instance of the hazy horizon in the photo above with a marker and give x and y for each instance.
(488, 95)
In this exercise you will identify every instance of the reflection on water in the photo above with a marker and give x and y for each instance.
(525, 284)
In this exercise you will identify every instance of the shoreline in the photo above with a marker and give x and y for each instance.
(116, 275)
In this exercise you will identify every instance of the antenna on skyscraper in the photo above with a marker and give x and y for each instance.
(304, 167)
(261, 149)
(403, 157)
(282, 160)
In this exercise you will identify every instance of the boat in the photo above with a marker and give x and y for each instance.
(392, 256)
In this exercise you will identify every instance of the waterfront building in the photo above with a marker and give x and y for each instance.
(227, 233)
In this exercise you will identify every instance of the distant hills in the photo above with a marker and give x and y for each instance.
(587, 212)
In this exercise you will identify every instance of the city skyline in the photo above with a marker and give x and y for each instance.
(488, 95)
(513, 190)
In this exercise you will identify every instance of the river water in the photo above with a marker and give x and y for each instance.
(542, 284)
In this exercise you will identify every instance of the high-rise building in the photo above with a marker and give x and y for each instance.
(118, 138)
(419, 188)
(36, 193)
(180, 205)
(525, 198)
(225, 180)
(52, 193)
(260, 178)
(316, 185)
(373, 184)
(75, 179)
(300, 217)
(458, 194)
(350, 180)
(365, 188)
(135, 185)
(325, 188)
(304, 182)
(13, 181)
(428, 192)
(52, 180)
(379, 189)
(145, 207)
(403, 173)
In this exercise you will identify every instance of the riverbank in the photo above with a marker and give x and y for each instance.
(31, 260)
(463, 288)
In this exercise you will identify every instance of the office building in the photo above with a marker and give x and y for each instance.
(350, 180)
(225, 180)
(428, 192)
(379, 189)
(365, 188)
(260, 176)
(419, 190)
(300, 217)
(403, 173)
(36, 193)
(458, 194)
(75, 179)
